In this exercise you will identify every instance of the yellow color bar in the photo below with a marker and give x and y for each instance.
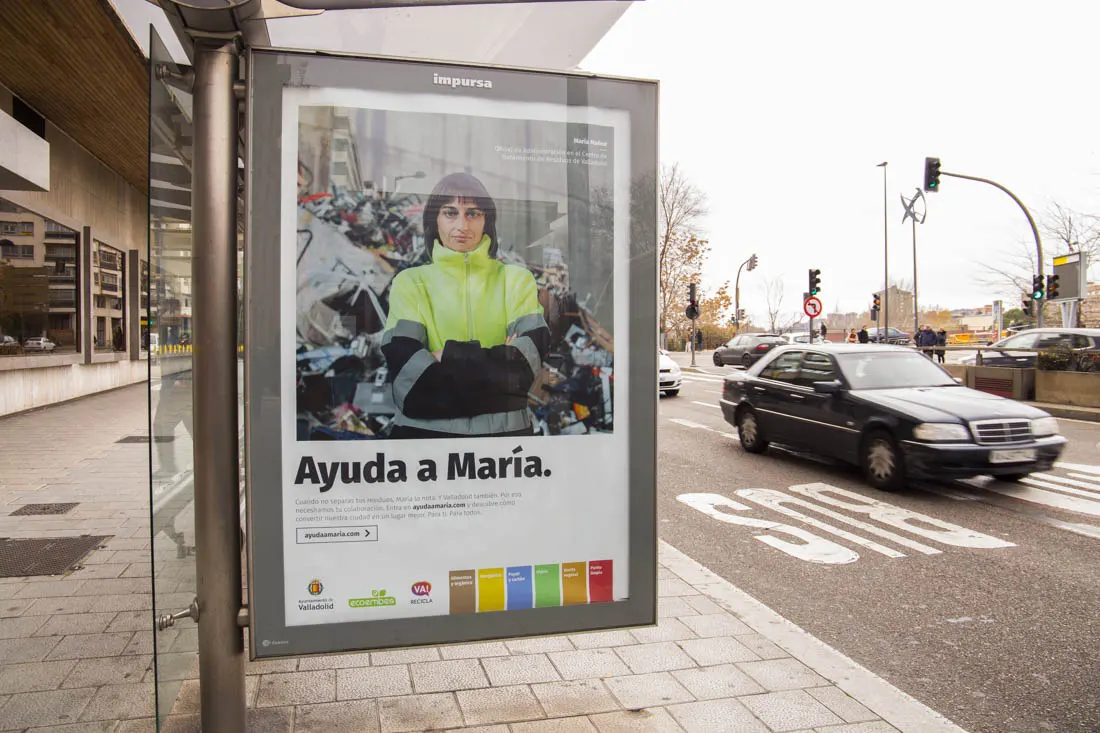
(490, 589)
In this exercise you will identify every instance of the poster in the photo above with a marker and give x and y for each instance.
(453, 307)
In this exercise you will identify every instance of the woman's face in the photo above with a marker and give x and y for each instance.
(461, 225)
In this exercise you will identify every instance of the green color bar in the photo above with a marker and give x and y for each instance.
(547, 586)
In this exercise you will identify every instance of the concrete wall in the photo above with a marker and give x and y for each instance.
(25, 389)
(1068, 388)
(88, 197)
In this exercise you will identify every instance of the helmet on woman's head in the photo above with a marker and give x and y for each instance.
(460, 186)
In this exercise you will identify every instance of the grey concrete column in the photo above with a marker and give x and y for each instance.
(84, 294)
(132, 278)
(214, 317)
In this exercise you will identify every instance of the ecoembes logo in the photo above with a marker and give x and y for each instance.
(460, 81)
(377, 598)
(423, 592)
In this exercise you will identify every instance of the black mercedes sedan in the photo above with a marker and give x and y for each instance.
(889, 410)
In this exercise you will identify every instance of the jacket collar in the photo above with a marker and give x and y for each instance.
(448, 258)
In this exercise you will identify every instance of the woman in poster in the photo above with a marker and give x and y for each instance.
(465, 335)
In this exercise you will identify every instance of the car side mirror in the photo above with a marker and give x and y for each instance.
(830, 387)
(959, 380)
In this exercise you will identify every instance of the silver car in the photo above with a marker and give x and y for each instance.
(39, 343)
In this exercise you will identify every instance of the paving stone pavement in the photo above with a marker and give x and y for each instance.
(77, 652)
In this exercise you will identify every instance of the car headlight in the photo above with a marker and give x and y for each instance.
(941, 431)
(1043, 426)
(676, 369)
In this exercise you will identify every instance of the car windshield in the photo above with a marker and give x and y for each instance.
(884, 371)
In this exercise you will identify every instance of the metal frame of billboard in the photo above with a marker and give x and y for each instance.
(1072, 271)
(270, 73)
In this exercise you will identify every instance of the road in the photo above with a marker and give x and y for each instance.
(978, 597)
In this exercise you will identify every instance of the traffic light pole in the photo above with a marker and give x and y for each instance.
(693, 342)
(1034, 230)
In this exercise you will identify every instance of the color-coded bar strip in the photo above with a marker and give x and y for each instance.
(463, 591)
(490, 589)
(574, 583)
(547, 586)
(520, 587)
(599, 581)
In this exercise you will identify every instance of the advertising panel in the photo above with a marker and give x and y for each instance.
(451, 353)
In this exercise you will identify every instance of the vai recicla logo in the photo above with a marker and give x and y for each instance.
(423, 591)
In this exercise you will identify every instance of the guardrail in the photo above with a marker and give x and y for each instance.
(1066, 359)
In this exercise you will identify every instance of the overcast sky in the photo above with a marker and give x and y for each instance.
(780, 112)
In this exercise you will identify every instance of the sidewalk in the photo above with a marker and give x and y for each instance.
(76, 652)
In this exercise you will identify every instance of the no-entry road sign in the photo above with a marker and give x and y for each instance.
(812, 307)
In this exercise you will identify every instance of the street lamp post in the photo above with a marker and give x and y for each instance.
(751, 262)
(397, 179)
(911, 213)
(885, 259)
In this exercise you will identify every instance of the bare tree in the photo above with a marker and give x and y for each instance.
(1063, 230)
(1071, 231)
(773, 301)
(680, 251)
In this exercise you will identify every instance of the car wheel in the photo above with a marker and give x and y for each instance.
(748, 430)
(881, 461)
(672, 392)
(1012, 477)
(746, 361)
(717, 359)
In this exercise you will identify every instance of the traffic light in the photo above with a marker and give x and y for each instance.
(1052, 287)
(752, 263)
(1027, 307)
(741, 315)
(931, 174)
(876, 302)
(1036, 287)
(692, 310)
(815, 282)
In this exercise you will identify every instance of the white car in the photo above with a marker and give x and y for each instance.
(669, 378)
(801, 338)
(39, 343)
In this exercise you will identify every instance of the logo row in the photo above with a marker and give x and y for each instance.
(421, 590)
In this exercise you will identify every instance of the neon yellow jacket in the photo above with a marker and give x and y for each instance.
(485, 317)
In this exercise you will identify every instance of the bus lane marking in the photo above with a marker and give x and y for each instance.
(777, 498)
(809, 547)
(903, 519)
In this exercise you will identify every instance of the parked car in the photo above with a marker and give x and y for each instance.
(669, 376)
(7, 340)
(38, 343)
(801, 338)
(890, 411)
(747, 348)
(891, 335)
(1076, 340)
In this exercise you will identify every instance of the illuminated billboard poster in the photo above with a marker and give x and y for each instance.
(450, 353)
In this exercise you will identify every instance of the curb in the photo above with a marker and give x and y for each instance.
(1072, 413)
(897, 708)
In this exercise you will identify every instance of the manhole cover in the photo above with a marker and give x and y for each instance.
(44, 556)
(145, 439)
(28, 509)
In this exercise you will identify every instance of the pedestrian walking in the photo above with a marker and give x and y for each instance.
(853, 338)
(864, 337)
(824, 331)
(941, 345)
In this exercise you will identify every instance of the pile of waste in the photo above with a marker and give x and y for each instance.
(350, 247)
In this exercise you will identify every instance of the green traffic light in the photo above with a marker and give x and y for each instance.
(1037, 295)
